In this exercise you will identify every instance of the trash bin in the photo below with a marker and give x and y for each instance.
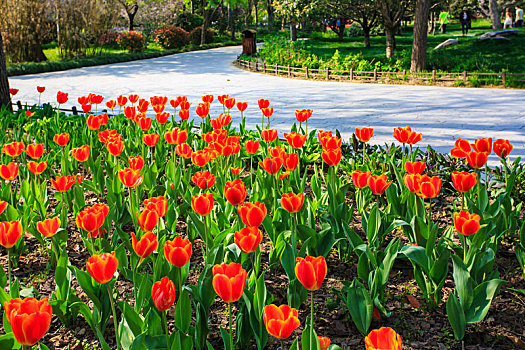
(249, 42)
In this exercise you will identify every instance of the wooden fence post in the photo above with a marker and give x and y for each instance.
(327, 73)
(276, 69)
(307, 76)
(264, 67)
(404, 74)
(74, 109)
(433, 76)
(464, 76)
(289, 71)
(256, 69)
(375, 74)
(351, 74)
(503, 77)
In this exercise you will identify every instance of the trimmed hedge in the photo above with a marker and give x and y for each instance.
(171, 37)
(195, 36)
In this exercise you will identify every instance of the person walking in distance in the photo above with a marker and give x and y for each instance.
(519, 17)
(464, 19)
(508, 19)
(443, 19)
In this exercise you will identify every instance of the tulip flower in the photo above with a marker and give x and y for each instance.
(203, 179)
(130, 112)
(148, 219)
(483, 145)
(184, 150)
(241, 106)
(378, 184)
(10, 233)
(49, 227)
(202, 204)
(502, 148)
(115, 147)
(406, 135)
(276, 151)
(62, 97)
(251, 146)
(415, 167)
(364, 134)
(280, 321)
(86, 108)
(430, 186)
(81, 154)
(40, 89)
(461, 149)
(271, 165)
(236, 170)
(295, 140)
(150, 140)
(290, 161)
(269, 135)
(61, 139)
(207, 98)
(200, 158)
(384, 338)
(144, 123)
(147, 244)
(311, 271)
(248, 239)
(133, 98)
(63, 183)
(464, 181)
(3, 206)
(29, 319)
(235, 192)
(102, 267)
(176, 136)
(332, 157)
(163, 294)
(92, 218)
(329, 142)
(360, 178)
(229, 103)
(184, 114)
(111, 104)
(13, 149)
(229, 281)
(202, 110)
(292, 202)
(267, 112)
(136, 163)
(158, 204)
(35, 151)
(130, 177)
(477, 159)
(37, 168)
(303, 115)
(178, 251)
(252, 214)
(94, 122)
(324, 342)
(466, 223)
(263, 103)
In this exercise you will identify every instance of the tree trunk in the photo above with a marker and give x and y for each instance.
(230, 22)
(390, 33)
(248, 18)
(205, 16)
(366, 35)
(495, 14)
(256, 13)
(419, 45)
(131, 19)
(293, 31)
(192, 7)
(5, 98)
(269, 10)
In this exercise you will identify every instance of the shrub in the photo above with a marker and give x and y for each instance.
(132, 41)
(171, 37)
(188, 21)
(109, 38)
(195, 36)
(354, 30)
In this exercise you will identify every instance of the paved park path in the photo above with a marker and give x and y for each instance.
(441, 114)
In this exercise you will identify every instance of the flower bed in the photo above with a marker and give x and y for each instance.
(218, 236)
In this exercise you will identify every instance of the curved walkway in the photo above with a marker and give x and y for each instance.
(442, 114)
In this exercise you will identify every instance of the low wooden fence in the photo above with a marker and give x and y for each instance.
(433, 77)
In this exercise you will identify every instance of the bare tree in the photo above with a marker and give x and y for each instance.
(131, 8)
(392, 12)
(419, 45)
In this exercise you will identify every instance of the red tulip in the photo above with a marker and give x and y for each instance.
(94, 122)
(248, 239)
(147, 244)
(130, 112)
(29, 319)
(502, 148)
(40, 89)
(63, 183)
(280, 321)
(477, 159)
(49, 227)
(267, 112)
(61, 139)
(483, 145)
(466, 223)
(229, 103)
(263, 103)
(163, 294)
(200, 158)
(111, 104)
(329, 142)
(406, 135)
(13, 91)
(62, 97)
(81, 153)
(430, 186)
(184, 114)
(241, 106)
(364, 134)
(290, 161)
(184, 150)
(136, 163)
(332, 157)
(202, 110)
(378, 184)
(10, 233)
(269, 135)
(235, 192)
(272, 165)
(276, 151)
(13, 149)
(324, 342)
(148, 219)
(461, 148)
(384, 338)
(176, 136)
(202, 204)
(222, 98)
(229, 281)
(102, 267)
(115, 147)
(178, 251)
(311, 271)
(360, 178)
(252, 214)
(292, 202)
(158, 204)
(92, 218)
(130, 177)
(203, 179)
(3, 206)
(303, 115)
(251, 146)
(144, 123)
(9, 172)
(295, 140)
(150, 140)
(415, 167)
(133, 98)
(464, 181)
(207, 98)
(86, 108)
(236, 170)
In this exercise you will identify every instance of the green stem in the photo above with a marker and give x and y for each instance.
(165, 321)
(251, 176)
(205, 239)
(179, 270)
(135, 280)
(479, 185)
(282, 344)
(486, 172)
(312, 317)
(464, 201)
(231, 329)
(429, 211)
(294, 233)
(506, 179)
(364, 153)
(9, 267)
(115, 322)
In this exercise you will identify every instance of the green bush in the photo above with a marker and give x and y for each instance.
(195, 36)
(171, 37)
(354, 30)
(188, 21)
(132, 41)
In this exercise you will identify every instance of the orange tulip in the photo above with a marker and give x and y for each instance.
(406, 135)
(295, 140)
(236, 170)
(252, 214)
(10, 233)
(49, 227)
(248, 239)
(384, 338)
(483, 145)
(290, 161)
(464, 181)
(229, 103)
(378, 184)
(332, 157)
(329, 142)
(148, 219)
(94, 122)
(163, 294)
(130, 177)
(267, 112)
(130, 112)
(292, 202)
(203, 179)
(159, 204)
(35, 151)
(200, 158)
(502, 148)
(202, 204)
(415, 167)
(13, 149)
(147, 244)
(136, 163)
(413, 183)
(207, 98)
(184, 114)
(430, 186)
(37, 168)
(29, 319)
(3, 206)
(241, 106)
(158, 109)
(178, 251)
(102, 267)
(280, 321)
(162, 117)
(9, 172)
(222, 98)
(235, 192)
(92, 218)
(184, 150)
(150, 140)
(360, 178)
(63, 183)
(311, 271)
(364, 134)
(461, 149)
(276, 151)
(111, 104)
(303, 115)
(263, 103)
(133, 98)
(144, 123)
(477, 159)
(269, 135)
(324, 342)
(81, 154)
(61, 139)
(115, 147)
(272, 165)
(466, 223)
(202, 110)
(229, 281)
(176, 136)
(251, 146)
